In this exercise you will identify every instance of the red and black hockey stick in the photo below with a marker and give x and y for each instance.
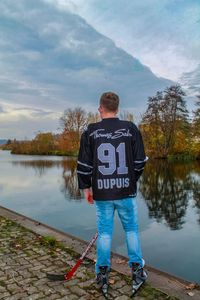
(67, 276)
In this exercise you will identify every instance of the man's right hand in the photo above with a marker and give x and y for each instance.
(89, 196)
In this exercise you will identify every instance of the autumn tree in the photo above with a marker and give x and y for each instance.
(165, 122)
(174, 117)
(43, 143)
(73, 122)
(151, 123)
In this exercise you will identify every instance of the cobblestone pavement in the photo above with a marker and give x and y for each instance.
(26, 258)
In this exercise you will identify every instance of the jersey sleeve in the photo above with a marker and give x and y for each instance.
(139, 156)
(84, 163)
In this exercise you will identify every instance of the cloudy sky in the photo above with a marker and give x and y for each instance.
(164, 35)
(55, 54)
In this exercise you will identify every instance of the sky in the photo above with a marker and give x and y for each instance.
(50, 58)
(164, 35)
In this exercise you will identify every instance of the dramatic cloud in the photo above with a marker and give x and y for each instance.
(164, 35)
(51, 59)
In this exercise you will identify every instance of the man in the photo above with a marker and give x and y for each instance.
(110, 161)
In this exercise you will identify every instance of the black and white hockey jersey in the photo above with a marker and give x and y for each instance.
(111, 159)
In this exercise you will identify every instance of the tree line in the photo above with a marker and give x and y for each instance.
(167, 129)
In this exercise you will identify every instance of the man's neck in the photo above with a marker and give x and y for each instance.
(108, 115)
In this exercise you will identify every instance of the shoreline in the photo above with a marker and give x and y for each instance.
(167, 283)
(172, 158)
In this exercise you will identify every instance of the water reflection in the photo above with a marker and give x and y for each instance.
(40, 166)
(167, 188)
(69, 185)
(196, 194)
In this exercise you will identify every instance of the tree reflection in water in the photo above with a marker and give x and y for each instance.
(69, 185)
(167, 188)
(196, 188)
(40, 166)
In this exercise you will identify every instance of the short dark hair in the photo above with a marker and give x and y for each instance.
(110, 101)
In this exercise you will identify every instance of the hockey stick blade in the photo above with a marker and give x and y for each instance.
(68, 276)
(56, 277)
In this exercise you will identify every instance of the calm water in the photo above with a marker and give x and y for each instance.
(45, 188)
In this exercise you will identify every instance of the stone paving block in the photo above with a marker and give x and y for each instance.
(35, 296)
(124, 297)
(119, 284)
(42, 281)
(2, 289)
(86, 283)
(46, 290)
(73, 297)
(125, 289)
(4, 295)
(38, 267)
(31, 290)
(114, 293)
(44, 257)
(25, 273)
(62, 290)
(38, 274)
(13, 288)
(71, 282)
(18, 296)
(54, 296)
(77, 290)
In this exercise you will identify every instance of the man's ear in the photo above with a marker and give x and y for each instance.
(100, 109)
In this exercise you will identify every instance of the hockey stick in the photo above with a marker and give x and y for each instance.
(67, 276)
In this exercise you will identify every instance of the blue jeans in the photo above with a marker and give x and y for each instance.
(127, 211)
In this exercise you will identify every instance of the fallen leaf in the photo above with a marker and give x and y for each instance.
(111, 281)
(190, 294)
(191, 286)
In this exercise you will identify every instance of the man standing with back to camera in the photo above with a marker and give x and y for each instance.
(110, 161)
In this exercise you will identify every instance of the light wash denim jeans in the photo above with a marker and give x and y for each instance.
(127, 211)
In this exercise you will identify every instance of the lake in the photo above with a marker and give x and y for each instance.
(45, 189)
